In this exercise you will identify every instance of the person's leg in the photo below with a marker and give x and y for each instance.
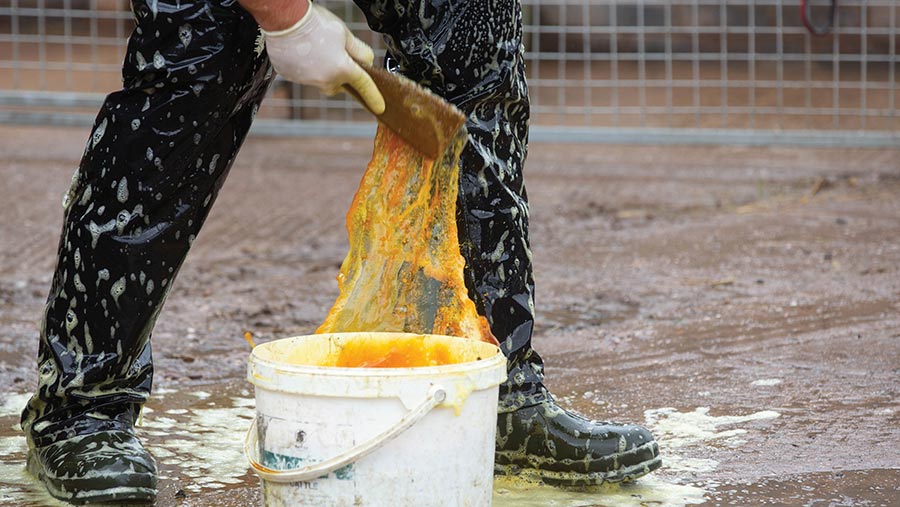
(471, 54)
(159, 152)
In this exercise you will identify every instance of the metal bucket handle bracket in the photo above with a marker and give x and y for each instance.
(436, 395)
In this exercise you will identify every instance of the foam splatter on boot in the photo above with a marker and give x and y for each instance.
(545, 442)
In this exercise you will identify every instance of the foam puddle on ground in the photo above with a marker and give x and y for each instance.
(18, 487)
(645, 492)
(205, 445)
(696, 431)
(683, 429)
(13, 404)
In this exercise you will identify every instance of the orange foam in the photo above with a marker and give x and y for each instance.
(397, 353)
(404, 270)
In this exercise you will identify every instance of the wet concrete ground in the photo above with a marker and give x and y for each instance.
(742, 302)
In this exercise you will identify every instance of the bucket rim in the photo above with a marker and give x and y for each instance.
(343, 371)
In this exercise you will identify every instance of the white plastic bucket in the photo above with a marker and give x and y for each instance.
(329, 436)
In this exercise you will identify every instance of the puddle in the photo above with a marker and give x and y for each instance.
(689, 431)
(645, 492)
(197, 437)
(601, 312)
(17, 486)
(12, 404)
(203, 445)
(676, 429)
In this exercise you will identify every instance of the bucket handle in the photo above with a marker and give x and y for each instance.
(436, 395)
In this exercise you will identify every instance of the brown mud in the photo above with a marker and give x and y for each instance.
(743, 302)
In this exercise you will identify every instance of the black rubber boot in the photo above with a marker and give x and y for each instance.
(544, 441)
(108, 466)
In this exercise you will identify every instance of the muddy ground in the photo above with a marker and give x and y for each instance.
(742, 302)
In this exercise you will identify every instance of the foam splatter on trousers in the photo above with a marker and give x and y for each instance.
(162, 147)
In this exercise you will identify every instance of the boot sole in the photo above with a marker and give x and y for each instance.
(621, 474)
(140, 489)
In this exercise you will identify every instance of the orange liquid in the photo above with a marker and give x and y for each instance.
(397, 353)
(404, 270)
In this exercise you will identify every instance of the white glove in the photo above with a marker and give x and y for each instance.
(319, 50)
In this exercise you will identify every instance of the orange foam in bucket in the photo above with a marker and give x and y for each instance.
(398, 352)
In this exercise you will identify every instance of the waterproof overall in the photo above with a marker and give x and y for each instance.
(161, 148)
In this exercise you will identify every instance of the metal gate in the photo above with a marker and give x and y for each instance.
(680, 71)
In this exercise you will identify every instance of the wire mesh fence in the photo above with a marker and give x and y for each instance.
(625, 70)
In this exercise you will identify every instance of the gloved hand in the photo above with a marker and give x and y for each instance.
(319, 50)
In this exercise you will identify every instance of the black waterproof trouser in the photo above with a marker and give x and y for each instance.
(193, 78)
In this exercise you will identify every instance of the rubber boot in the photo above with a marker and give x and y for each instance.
(160, 150)
(101, 467)
(442, 45)
(543, 441)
